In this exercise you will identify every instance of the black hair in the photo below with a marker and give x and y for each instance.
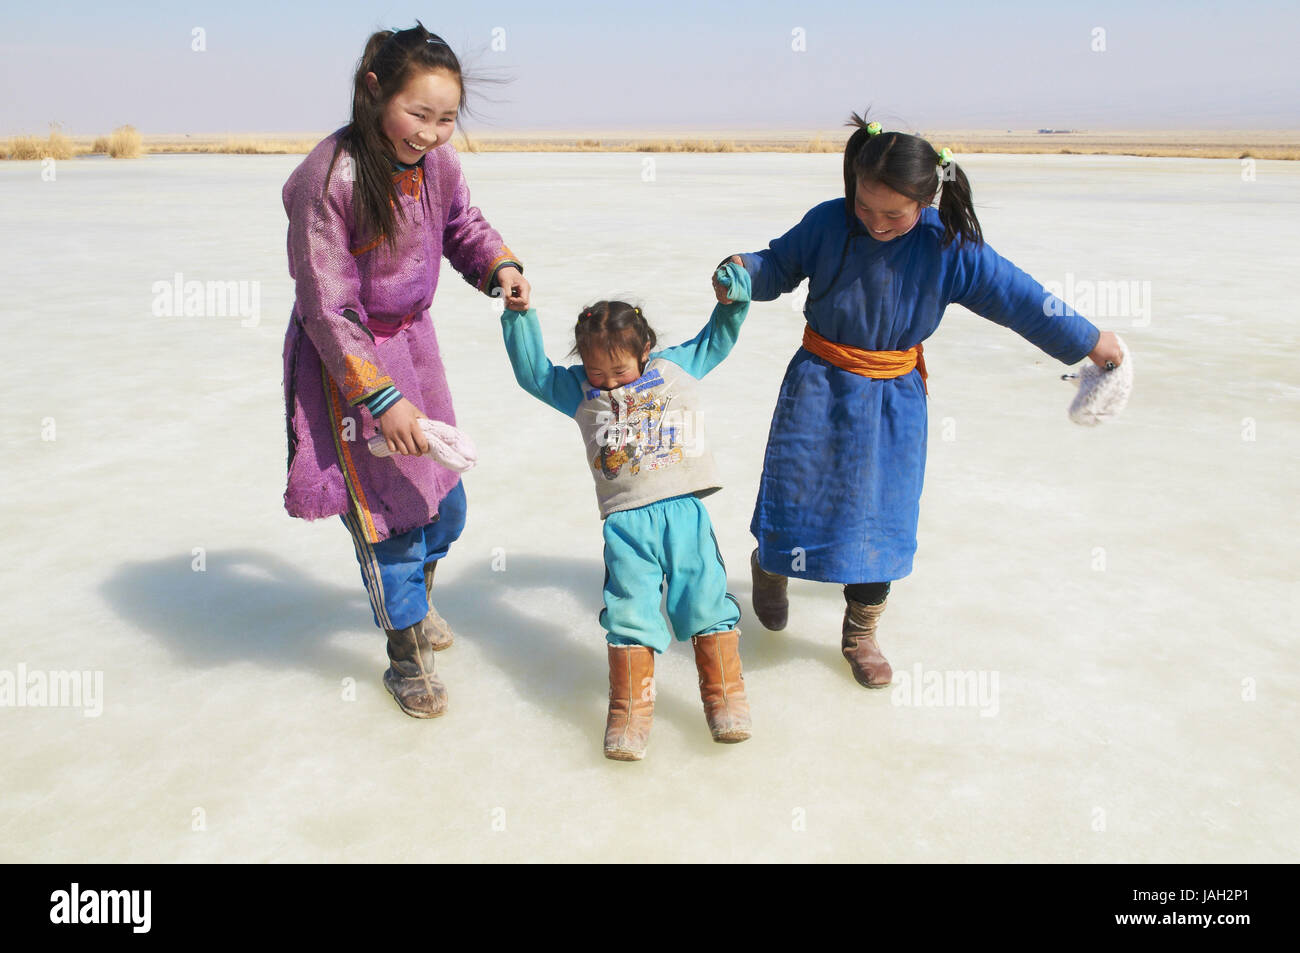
(394, 57)
(910, 166)
(612, 326)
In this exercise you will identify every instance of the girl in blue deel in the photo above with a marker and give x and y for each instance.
(839, 496)
(638, 412)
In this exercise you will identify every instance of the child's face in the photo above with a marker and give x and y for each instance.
(607, 371)
(886, 214)
(422, 116)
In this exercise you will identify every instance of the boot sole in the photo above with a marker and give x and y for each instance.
(416, 712)
(854, 673)
(615, 754)
(732, 738)
(869, 685)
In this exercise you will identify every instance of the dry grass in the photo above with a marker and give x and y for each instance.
(1192, 145)
(1211, 145)
(475, 144)
(613, 144)
(1206, 145)
(57, 146)
(1149, 152)
(818, 144)
(631, 144)
(231, 145)
(124, 143)
(684, 145)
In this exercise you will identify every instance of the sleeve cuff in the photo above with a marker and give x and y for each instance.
(497, 266)
(381, 400)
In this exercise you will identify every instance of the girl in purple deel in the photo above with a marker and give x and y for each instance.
(372, 209)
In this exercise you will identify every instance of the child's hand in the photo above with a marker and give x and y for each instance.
(718, 288)
(400, 425)
(1107, 350)
(514, 287)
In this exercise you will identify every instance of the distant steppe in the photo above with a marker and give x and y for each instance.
(1217, 144)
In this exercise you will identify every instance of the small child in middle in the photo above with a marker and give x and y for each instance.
(638, 412)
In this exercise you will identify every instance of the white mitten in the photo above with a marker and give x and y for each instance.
(447, 445)
(1103, 394)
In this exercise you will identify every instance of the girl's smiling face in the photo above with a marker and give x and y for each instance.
(885, 214)
(607, 371)
(422, 116)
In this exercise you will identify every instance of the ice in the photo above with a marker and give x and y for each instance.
(1131, 586)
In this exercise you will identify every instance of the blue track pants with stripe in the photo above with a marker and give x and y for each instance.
(393, 570)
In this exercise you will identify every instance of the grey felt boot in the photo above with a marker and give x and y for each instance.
(410, 677)
(435, 626)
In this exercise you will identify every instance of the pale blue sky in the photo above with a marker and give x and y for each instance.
(629, 66)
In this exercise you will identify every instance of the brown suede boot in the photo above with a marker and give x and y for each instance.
(722, 685)
(770, 602)
(870, 668)
(411, 678)
(435, 626)
(631, 701)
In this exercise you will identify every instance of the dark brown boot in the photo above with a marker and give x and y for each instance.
(435, 626)
(722, 685)
(870, 668)
(770, 602)
(411, 678)
(631, 701)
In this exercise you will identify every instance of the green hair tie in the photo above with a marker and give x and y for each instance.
(945, 157)
(873, 129)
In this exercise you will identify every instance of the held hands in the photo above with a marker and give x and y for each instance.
(515, 289)
(1107, 350)
(718, 289)
(401, 429)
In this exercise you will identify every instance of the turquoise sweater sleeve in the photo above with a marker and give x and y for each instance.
(561, 387)
(706, 350)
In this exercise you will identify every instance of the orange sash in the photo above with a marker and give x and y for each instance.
(880, 365)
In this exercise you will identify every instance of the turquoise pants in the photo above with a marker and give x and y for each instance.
(666, 544)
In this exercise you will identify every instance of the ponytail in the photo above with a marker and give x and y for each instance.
(957, 209)
(852, 148)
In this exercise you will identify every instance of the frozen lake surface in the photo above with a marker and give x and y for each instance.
(1127, 594)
